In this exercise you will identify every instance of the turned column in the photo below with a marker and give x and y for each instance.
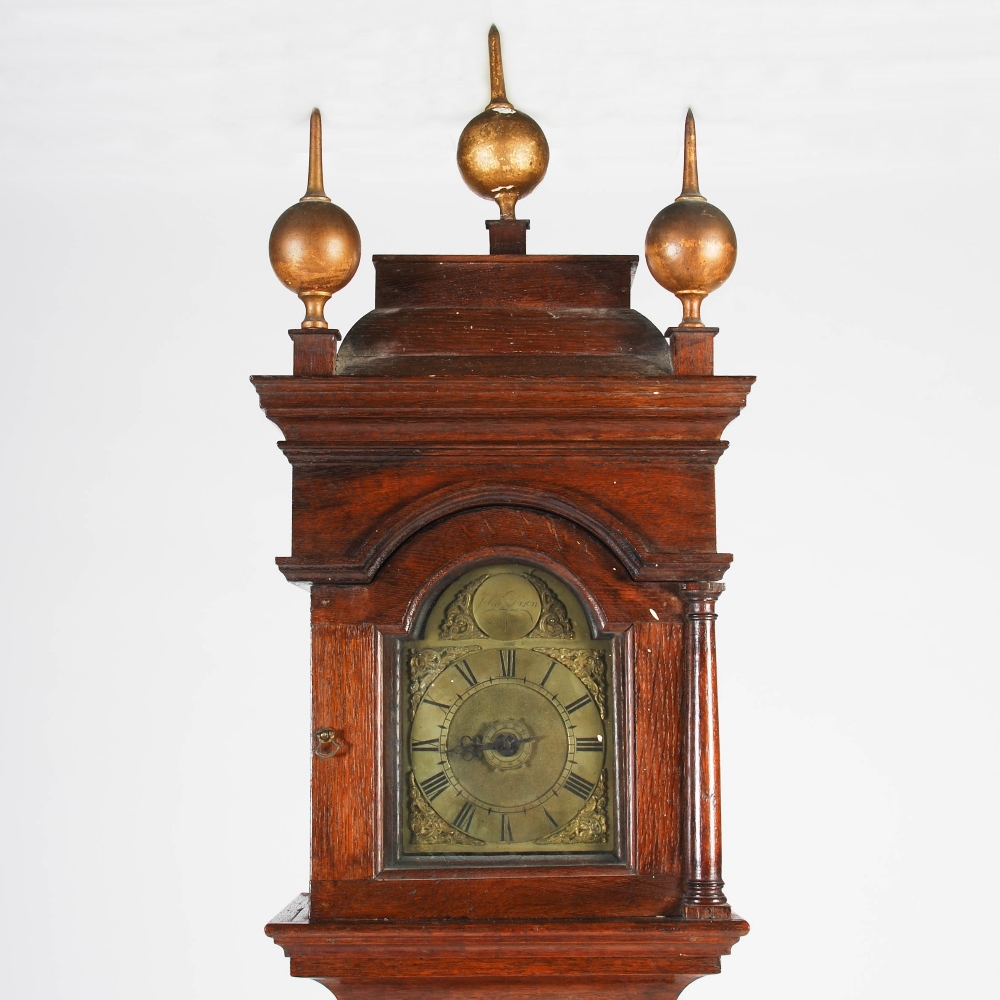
(703, 895)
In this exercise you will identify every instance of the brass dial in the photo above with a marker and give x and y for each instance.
(507, 738)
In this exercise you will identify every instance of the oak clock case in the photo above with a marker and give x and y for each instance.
(504, 506)
(506, 724)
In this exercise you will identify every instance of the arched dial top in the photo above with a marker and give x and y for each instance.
(507, 734)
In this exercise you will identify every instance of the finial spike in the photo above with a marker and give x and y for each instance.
(689, 188)
(690, 245)
(314, 185)
(498, 94)
(502, 153)
(315, 248)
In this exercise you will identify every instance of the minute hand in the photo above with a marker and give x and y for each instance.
(471, 746)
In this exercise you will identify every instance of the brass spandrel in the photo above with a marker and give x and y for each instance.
(426, 827)
(588, 664)
(458, 621)
(424, 663)
(590, 824)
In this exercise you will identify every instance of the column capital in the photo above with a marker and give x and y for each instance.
(701, 590)
(699, 599)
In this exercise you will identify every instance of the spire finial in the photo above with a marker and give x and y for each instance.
(315, 247)
(314, 184)
(690, 245)
(498, 93)
(689, 186)
(502, 153)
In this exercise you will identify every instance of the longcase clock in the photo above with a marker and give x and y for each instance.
(503, 503)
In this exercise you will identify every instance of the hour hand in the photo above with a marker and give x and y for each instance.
(471, 747)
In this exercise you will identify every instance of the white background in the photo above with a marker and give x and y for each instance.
(155, 663)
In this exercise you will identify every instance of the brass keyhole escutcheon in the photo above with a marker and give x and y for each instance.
(327, 743)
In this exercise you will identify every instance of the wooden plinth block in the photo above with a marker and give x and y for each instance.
(693, 349)
(508, 235)
(314, 352)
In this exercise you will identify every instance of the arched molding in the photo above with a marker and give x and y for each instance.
(445, 503)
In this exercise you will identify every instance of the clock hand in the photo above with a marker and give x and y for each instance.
(470, 747)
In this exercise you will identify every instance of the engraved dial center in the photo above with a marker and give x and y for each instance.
(522, 735)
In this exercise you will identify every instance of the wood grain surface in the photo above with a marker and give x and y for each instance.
(538, 281)
(347, 787)
(510, 409)
(504, 959)
(659, 745)
(502, 315)
(631, 461)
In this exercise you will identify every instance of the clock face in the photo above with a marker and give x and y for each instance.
(507, 735)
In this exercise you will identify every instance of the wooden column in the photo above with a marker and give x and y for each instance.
(703, 895)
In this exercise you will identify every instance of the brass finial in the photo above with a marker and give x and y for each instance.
(691, 245)
(502, 153)
(498, 93)
(315, 246)
(689, 185)
(314, 184)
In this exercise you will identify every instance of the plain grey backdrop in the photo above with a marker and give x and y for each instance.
(155, 664)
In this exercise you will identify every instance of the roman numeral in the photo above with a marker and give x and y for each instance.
(428, 746)
(548, 816)
(579, 786)
(506, 834)
(592, 743)
(464, 818)
(466, 671)
(507, 668)
(575, 706)
(437, 704)
(433, 786)
(552, 667)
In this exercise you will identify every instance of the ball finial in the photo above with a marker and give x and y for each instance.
(315, 246)
(691, 245)
(502, 153)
